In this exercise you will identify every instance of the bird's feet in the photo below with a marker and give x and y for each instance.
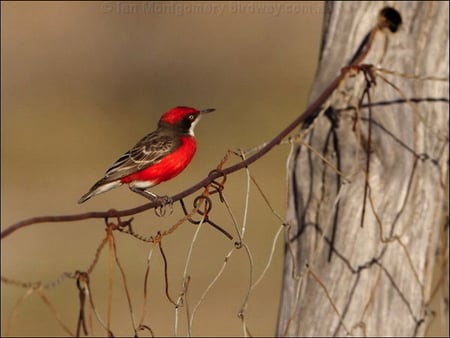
(165, 202)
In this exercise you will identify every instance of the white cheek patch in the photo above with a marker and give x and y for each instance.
(193, 124)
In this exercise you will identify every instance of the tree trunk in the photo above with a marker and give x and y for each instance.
(363, 245)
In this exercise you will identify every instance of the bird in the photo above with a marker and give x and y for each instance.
(157, 157)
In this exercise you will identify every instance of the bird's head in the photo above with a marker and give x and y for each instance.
(183, 118)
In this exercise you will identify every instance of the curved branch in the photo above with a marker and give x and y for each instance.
(211, 177)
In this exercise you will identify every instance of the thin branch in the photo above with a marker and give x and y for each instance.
(310, 111)
(207, 180)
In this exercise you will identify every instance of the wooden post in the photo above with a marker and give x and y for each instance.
(363, 244)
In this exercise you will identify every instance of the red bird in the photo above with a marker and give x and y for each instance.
(158, 157)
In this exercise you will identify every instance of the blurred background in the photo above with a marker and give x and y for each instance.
(82, 82)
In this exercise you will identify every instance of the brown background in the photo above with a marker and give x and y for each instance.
(82, 82)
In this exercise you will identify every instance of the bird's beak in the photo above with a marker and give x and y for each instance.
(209, 110)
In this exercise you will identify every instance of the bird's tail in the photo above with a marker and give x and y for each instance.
(99, 188)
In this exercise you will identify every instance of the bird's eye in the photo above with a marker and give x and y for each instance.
(191, 117)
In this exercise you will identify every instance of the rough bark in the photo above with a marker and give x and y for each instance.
(342, 278)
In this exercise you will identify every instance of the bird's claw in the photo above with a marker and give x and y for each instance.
(165, 202)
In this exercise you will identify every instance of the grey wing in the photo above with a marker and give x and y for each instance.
(148, 151)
